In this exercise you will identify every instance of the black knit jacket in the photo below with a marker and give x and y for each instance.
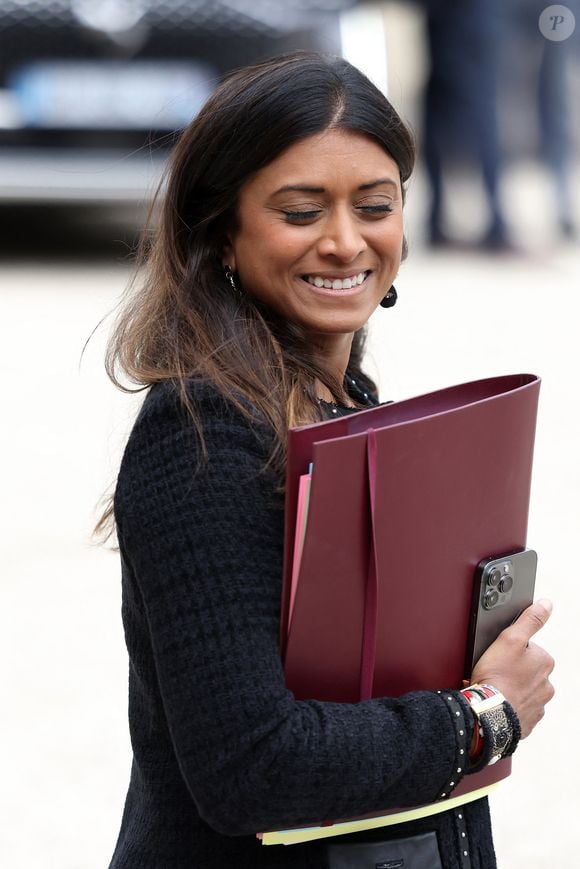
(221, 749)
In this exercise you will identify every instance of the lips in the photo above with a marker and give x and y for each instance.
(335, 283)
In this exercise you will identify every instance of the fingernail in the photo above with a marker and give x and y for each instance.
(547, 604)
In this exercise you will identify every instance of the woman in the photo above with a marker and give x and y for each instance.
(280, 233)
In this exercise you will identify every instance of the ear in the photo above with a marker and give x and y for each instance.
(228, 255)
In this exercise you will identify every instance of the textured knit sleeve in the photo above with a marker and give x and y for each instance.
(204, 550)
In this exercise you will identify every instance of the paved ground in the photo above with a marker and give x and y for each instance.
(65, 757)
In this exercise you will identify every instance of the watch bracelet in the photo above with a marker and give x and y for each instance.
(485, 722)
(514, 721)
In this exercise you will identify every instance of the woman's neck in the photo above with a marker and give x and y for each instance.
(333, 353)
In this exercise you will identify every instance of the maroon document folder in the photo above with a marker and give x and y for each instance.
(406, 499)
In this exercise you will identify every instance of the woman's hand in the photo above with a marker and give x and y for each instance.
(519, 668)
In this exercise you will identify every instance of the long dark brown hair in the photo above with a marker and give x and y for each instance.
(181, 318)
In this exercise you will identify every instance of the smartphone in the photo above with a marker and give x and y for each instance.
(502, 589)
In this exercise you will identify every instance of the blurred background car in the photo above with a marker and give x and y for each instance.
(91, 93)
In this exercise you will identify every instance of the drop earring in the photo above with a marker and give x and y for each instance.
(230, 277)
(390, 299)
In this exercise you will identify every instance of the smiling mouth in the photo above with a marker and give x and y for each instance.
(331, 283)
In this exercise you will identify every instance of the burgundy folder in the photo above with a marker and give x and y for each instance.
(406, 499)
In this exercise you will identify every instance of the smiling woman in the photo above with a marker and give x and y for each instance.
(281, 231)
(322, 250)
(293, 173)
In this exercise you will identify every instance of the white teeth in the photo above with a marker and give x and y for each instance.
(337, 283)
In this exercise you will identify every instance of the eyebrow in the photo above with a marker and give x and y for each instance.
(312, 188)
(378, 183)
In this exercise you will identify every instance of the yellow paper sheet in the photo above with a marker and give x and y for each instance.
(307, 834)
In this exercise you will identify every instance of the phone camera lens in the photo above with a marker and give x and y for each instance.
(506, 584)
(490, 599)
(494, 577)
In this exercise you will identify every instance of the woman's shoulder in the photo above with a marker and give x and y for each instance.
(196, 403)
(176, 434)
(172, 395)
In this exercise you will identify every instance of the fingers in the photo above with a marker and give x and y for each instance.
(533, 710)
(519, 667)
(531, 620)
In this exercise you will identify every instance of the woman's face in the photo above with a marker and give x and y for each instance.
(320, 232)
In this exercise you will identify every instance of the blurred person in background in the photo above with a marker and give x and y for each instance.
(460, 110)
(281, 232)
(547, 67)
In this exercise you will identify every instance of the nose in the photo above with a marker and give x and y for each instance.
(341, 237)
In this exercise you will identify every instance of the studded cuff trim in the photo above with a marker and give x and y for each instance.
(458, 711)
(463, 838)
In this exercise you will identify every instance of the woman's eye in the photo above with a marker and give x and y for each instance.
(383, 208)
(311, 214)
(296, 216)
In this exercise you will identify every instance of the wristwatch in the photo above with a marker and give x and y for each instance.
(497, 725)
